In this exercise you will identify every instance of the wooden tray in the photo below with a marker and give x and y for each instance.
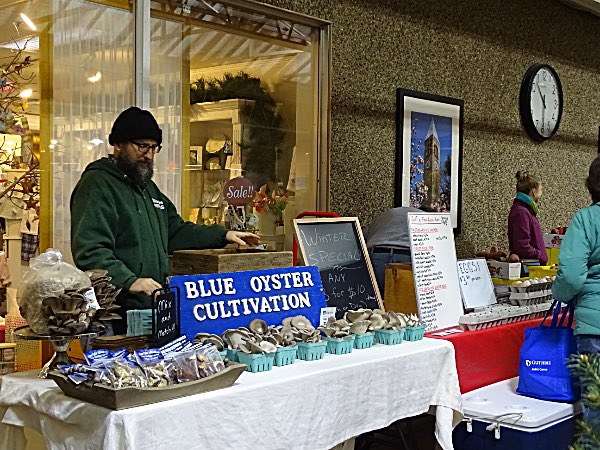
(130, 397)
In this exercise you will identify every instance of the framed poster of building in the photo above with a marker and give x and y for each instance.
(429, 137)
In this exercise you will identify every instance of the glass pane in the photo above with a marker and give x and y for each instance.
(254, 110)
(165, 103)
(20, 25)
(92, 65)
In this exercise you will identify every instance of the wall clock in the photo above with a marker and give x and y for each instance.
(541, 102)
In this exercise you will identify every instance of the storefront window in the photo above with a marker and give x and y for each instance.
(92, 82)
(166, 102)
(81, 71)
(254, 109)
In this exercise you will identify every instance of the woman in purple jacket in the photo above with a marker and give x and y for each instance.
(525, 237)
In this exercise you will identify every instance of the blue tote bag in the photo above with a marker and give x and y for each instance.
(543, 371)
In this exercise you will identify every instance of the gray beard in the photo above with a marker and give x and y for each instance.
(140, 174)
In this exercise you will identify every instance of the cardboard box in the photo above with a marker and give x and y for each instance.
(506, 270)
(553, 240)
(399, 293)
(552, 255)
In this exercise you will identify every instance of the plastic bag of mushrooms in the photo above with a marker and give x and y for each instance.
(56, 298)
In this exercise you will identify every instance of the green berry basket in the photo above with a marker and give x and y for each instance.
(414, 333)
(260, 362)
(232, 355)
(311, 351)
(285, 355)
(339, 346)
(223, 354)
(364, 340)
(389, 337)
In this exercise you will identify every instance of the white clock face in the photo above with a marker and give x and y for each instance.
(545, 102)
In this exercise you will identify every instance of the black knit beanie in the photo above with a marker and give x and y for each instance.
(135, 123)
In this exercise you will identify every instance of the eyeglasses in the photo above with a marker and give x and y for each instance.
(142, 149)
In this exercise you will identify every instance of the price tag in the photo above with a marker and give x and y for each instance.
(326, 313)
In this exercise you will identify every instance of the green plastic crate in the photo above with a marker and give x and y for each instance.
(389, 337)
(285, 355)
(414, 333)
(260, 362)
(232, 355)
(311, 351)
(339, 346)
(364, 340)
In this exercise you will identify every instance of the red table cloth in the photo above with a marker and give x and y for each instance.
(487, 356)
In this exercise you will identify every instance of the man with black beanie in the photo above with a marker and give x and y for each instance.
(122, 222)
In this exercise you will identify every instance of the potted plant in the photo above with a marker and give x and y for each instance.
(262, 134)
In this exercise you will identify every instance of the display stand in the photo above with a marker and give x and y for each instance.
(60, 345)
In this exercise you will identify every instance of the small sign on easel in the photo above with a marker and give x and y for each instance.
(476, 284)
(165, 316)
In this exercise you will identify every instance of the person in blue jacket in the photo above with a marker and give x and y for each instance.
(578, 277)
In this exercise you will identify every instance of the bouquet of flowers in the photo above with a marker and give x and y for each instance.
(274, 203)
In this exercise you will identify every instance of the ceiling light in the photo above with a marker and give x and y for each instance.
(26, 93)
(95, 78)
(53, 141)
(28, 21)
(96, 141)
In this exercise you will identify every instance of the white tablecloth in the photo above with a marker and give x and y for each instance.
(307, 405)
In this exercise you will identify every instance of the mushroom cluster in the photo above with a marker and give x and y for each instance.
(106, 295)
(258, 337)
(72, 311)
(68, 313)
(361, 321)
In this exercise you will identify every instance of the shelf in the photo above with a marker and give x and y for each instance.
(200, 169)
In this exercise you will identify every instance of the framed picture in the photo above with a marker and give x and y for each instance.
(429, 144)
(195, 153)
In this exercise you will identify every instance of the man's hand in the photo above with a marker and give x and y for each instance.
(145, 285)
(242, 238)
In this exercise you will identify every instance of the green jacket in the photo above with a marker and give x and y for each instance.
(578, 275)
(129, 230)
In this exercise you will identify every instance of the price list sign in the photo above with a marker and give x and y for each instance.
(475, 283)
(435, 272)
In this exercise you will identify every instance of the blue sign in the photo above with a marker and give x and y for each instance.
(213, 303)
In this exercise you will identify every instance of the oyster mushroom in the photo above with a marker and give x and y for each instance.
(268, 347)
(357, 315)
(360, 327)
(301, 322)
(329, 332)
(377, 322)
(258, 326)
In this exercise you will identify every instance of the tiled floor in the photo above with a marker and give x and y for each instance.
(408, 434)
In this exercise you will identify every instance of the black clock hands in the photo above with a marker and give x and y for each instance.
(543, 97)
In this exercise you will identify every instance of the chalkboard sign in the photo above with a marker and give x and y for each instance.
(337, 248)
(165, 317)
(435, 270)
(476, 284)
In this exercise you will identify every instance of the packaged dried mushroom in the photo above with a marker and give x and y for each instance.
(154, 367)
